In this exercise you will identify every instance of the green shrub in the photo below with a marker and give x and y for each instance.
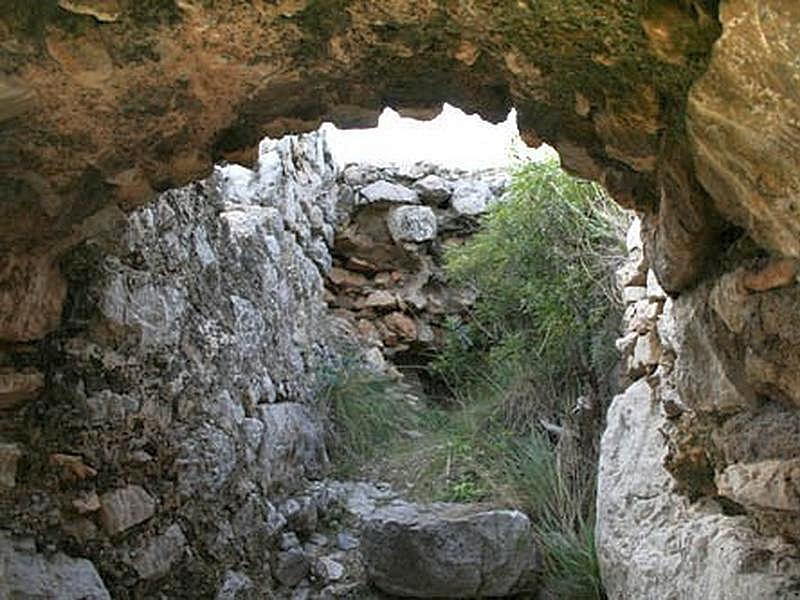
(543, 268)
(539, 337)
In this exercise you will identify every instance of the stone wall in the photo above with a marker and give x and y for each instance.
(394, 227)
(697, 494)
(166, 431)
(161, 426)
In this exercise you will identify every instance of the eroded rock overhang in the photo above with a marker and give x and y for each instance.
(105, 103)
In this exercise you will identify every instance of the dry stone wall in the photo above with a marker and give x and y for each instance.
(160, 441)
(394, 226)
(161, 428)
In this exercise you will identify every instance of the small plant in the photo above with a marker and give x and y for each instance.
(368, 409)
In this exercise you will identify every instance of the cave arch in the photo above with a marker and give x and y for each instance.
(106, 103)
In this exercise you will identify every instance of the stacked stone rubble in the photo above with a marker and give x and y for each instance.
(394, 226)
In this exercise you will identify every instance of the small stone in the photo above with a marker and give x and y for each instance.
(17, 387)
(302, 593)
(9, 458)
(346, 541)
(412, 224)
(300, 514)
(433, 189)
(105, 11)
(654, 289)
(326, 569)
(140, 457)
(631, 274)
(384, 191)
(289, 540)
(633, 239)
(402, 324)
(626, 343)
(646, 353)
(360, 265)
(292, 566)
(645, 316)
(73, 466)
(233, 583)
(633, 294)
(471, 198)
(344, 278)
(318, 539)
(87, 502)
(125, 507)
(380, 299)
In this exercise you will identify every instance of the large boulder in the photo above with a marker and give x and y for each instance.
(449, 551)
(655, 543)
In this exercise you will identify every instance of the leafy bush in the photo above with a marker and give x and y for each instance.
(537, 353)
(543, 268)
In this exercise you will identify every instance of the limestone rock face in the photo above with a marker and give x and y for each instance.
(111, 101)
(182, 407)
(697, 486)
(742, 121)
(654, 543)
(449, 551)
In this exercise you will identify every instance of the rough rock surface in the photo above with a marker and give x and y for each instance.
(387, 279)
(449, 551)
(181, 402)
(685, 110)
(26, 573)
(106, 102)
(698, 472)
(655, 543)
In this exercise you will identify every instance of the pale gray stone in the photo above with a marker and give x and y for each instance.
(471, 198)
(412, 224)
(233, 583)
(9, 457)
(159, 554)
(326, 569)
(433, 189)
(122, 508)
(449, 551)
(654, 543)
(385, 191)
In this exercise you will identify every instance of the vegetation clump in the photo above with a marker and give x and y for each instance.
(528, 371)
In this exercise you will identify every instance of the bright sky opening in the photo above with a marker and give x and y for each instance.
(453, 139)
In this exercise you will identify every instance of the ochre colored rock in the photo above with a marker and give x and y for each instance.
(32, 294)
